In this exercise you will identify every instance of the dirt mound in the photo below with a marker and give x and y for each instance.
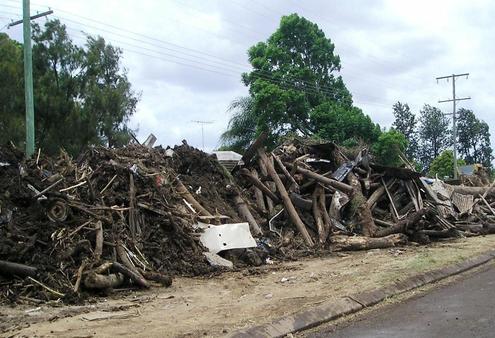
(75, 221)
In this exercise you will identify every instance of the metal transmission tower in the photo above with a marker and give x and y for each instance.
(454, 118)
(202, 123)
(28, 72)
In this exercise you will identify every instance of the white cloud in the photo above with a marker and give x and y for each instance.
(390, 50)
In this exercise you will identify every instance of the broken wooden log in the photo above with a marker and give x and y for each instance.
(182, 190)
(353, 243)
(137, 277)
(444, 233)
(293, 184)
(301, 202)
(322, 179)
(132, 274)
(322, 203)
(402, 225)
(99, 240)
(476, 228)
(318, 217)
(258, 194)
(246, 214)
(15, 269)
(270, 185)
(289, 207)
(98, 281)
(359, 203)
(260, 185)
(461, 189)
(161, 278)
(253, 148)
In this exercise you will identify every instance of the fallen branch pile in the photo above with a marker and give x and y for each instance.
(134, 216)
(330, 197)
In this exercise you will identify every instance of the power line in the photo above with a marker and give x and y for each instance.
(348, 74)
(230, 73)
(225, 66)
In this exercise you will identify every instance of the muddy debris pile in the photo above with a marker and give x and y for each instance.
(341, 200)
(111, 219)
(133, 217)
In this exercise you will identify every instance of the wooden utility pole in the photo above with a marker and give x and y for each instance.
(28, 73)
(454, 118)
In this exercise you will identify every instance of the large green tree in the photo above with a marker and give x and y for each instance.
(81, 93)
(343, 125)
(11, 91)
(405, 122)
(434, 134)
(443, 165)
(106, 91)
(473, 139)
(295, 88)
(389, 146)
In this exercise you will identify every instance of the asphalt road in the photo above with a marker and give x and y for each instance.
(465, 308)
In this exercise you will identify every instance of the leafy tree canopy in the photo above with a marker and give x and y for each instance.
(294, 83)
(443, 165)
(434, 134)
(389, 146)
(11, 91)
(81, 94)
(343, 125)
(473, 139)
(405, 122)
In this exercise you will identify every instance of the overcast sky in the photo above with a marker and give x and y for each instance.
(186, 57)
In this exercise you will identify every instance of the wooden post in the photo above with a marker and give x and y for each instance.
(182, 190)
(365, 218)
(258, 194)
(285, 198)
(322, 179)
(246, 214)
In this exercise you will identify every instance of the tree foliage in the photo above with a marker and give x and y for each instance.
(434, 134)
(11, 91)
(81, 94)
(473, 139)
(443, 165)
(405, 122)
(344, 125)
(295, 87)
(389, 146)
(242, 125)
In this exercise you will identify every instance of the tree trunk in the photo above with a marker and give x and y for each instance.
(359, 202)
(366, 243)
(285, 198)
(402, 226)
(246, 214)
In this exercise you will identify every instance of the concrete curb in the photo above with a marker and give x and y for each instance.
(335, 308)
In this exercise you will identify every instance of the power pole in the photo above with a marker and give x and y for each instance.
(454, 118)
(28, 73)
(202, 123)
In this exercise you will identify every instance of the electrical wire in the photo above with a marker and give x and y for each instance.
(225, 72)
(201, 53)
(312, 88)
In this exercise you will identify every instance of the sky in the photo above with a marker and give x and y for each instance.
(186, 57)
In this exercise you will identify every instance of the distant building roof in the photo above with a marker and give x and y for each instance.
(467, 169)
(227, 155)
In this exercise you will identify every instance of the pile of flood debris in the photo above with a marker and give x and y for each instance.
(112, 218)
(131, 217)
(330, 196)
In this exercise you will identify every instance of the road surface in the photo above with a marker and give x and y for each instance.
(465, 308)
